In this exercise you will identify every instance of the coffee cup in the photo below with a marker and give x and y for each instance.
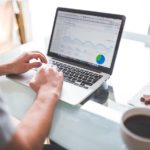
(135, 128)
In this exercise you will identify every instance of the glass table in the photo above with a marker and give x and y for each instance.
(73, 127)
(93, 124)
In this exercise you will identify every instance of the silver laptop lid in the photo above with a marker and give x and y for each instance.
(89, 39)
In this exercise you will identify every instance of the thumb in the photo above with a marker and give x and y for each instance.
(33, 85)
(34, 65)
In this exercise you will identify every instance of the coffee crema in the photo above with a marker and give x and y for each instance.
(139, 125)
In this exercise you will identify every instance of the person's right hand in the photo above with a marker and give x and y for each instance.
(47, 82)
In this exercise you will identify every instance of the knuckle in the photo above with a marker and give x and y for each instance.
(31, 83)
(41, 70)
(26, 53)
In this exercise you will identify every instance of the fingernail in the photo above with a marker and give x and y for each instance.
(39, 64)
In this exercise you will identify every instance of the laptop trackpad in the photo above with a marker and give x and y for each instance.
(73, 94)
(23, 78)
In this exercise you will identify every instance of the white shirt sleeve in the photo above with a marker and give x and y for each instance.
(6, 127)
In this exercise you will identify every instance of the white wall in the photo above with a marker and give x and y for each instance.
(137, 12)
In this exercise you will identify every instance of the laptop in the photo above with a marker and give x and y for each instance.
(83, 45)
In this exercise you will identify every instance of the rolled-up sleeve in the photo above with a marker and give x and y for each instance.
(6, 127)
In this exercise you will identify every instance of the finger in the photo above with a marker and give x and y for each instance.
(55, 69)
(61, 74)
(38, 52)
(41, 57)
(32, 81)
(32, 85)
(142, 99)
(61, 79)
(34, 65)
(147, 102)
(42, 70)
(52, 70)
(146, 96)
(36, 56)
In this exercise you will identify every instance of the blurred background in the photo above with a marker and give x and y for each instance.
(34, 18)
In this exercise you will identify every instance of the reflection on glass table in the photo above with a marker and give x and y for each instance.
(105, 95)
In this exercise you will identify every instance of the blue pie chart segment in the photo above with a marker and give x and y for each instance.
(100, 59)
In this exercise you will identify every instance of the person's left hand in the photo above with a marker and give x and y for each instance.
(22, 63)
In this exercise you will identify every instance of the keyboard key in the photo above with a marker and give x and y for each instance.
(77, 76)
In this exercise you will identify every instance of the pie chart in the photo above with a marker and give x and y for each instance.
(100, 59)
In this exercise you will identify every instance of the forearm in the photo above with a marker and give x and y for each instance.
(38, 120)
(5, 69)
(36, 124)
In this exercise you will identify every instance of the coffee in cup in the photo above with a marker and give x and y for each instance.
(135, 128)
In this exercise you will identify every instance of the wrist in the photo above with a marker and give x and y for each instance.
(47, 94)
(5, 69)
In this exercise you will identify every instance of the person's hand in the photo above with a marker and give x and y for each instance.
(47, 80)
(22, 63)
(145, 99)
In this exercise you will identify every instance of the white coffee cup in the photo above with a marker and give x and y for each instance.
(134, 141)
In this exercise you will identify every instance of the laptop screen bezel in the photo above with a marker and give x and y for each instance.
(81, 63)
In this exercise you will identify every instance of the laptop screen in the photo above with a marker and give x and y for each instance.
(85, 38)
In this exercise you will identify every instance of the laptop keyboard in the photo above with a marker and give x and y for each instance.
(77, 76)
